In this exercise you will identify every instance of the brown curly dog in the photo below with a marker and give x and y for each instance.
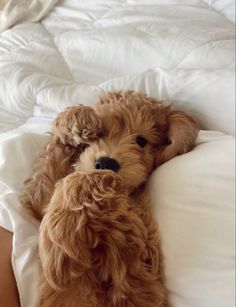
(99, 245)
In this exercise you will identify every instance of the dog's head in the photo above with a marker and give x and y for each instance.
(138, 134)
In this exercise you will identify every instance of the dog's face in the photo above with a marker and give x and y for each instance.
(128, 143)
(136, 137)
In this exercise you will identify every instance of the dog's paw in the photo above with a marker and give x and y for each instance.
(77, 125)
(95, 187)
(106, 182)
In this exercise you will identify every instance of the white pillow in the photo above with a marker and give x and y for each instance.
(194, 197)
(208, 95)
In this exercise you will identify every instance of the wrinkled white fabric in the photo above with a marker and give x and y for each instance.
(184, 52)
(224, 7)
(17, 151)
(16, 11)
(181, 51)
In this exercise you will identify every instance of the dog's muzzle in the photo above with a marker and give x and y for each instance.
(105, 163)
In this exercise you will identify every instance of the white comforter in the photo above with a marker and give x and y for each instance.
(181, 51)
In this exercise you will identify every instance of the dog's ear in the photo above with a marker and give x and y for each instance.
(62, 264)
(62, 260)
(181, 132)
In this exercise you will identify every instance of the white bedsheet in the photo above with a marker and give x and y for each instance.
(183, 51)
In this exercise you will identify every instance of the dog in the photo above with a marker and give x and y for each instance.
(99, 245)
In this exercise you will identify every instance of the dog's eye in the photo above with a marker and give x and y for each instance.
(141, 141)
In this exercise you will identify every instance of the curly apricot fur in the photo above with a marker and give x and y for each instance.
(99, 245)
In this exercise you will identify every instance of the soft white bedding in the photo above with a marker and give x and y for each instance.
(182, 51)
(16, 11)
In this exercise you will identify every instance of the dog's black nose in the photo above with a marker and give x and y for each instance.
(107, 163)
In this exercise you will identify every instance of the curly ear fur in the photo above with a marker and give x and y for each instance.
(181, 133)
(90, 237)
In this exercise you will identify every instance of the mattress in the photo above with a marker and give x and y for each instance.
(182, 51)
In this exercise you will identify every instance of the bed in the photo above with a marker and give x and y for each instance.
(182, 51)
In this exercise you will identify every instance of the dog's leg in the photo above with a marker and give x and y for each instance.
(72, 129)
(67, 242)
(92, 241)
(101, 245)
(83, 247)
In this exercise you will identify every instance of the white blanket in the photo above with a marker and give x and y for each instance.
(15, 11)
(182, 51)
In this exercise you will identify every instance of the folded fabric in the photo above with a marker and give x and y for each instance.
(16, 11)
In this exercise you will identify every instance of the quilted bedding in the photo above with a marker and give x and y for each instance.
(177, 50)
